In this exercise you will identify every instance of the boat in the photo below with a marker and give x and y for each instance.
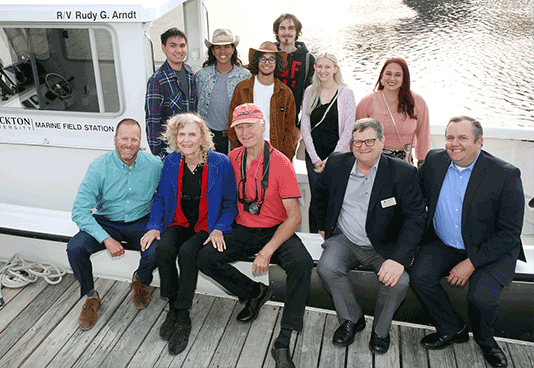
(70, 73)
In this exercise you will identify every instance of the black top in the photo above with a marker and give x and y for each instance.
(326, 135)
(191, 192)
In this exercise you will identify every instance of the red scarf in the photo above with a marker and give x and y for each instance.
(179, 217)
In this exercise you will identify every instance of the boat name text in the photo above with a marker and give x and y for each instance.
(79, 15)
(19, 123)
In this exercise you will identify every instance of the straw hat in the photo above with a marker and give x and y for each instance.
(222, 37)
(267, 46)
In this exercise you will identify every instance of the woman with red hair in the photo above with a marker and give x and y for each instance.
(403, 113)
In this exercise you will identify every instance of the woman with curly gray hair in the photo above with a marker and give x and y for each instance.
(195, 204)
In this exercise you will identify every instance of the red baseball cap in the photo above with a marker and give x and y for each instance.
(246, 113)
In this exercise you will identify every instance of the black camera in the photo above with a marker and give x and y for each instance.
(251, 207)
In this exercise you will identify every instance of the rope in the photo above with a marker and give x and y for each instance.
(18, 272)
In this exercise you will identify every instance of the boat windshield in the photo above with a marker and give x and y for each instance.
(60, 69)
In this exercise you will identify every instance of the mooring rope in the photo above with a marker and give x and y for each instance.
(18, 272)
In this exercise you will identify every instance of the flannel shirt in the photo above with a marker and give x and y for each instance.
(165, 98)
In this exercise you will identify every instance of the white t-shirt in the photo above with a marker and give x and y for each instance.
(262, 98)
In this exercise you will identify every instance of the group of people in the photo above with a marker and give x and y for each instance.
(460, 215)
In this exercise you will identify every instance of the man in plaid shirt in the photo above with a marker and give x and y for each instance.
(171, 90)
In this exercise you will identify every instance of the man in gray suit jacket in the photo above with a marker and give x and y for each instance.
(475, 215)
(371, 212)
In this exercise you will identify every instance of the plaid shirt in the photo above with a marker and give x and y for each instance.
(165, 98)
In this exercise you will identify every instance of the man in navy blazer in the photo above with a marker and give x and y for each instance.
(475, 214)
(371, 212)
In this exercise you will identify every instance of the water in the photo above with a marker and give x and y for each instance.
(466, 57)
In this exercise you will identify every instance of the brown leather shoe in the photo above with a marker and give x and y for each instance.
(88, 316)
(141, 296)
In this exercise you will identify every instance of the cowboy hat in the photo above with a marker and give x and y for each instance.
(222, 37)
(267, 46)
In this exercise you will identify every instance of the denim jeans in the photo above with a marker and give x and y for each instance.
(82, 245)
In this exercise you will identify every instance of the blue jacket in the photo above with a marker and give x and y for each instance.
(222, 207)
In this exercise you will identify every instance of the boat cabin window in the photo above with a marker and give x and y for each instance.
(60, 69)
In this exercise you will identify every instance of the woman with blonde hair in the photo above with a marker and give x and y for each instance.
(329, 111)
(195, 204)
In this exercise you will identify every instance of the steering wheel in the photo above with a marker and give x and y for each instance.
(58, 85)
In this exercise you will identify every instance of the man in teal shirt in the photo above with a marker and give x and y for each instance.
(119, 185)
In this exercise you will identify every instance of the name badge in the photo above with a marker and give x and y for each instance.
(388, 202)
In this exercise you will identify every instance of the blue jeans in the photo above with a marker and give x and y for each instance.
(82, 245)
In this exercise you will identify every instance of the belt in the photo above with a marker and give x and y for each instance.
(220, 133)
(395, 153)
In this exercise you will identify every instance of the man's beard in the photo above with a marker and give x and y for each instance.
(286, 41)
(266, 74)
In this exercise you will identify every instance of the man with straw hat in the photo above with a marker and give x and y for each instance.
(216, 81)
(273, 97)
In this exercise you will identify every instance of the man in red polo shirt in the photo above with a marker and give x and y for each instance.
(268, 215)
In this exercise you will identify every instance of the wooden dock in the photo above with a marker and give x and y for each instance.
(39, 328)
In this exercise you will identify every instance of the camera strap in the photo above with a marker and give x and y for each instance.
(265, 174)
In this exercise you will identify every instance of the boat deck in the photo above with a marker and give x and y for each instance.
(39, 328)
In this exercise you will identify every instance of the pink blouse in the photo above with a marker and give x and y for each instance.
(416, 131)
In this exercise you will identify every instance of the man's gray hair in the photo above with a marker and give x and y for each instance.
(475, 125)
(367, 123)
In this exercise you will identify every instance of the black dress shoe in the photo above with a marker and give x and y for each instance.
(282, 358)
(379, 345)
(179, 339)
(437, 341)
(253, 305)
(345, 333)
(495, 356)
(167, 328)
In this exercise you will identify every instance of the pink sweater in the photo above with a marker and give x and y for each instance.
(416, 131)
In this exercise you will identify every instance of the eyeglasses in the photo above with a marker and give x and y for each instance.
(368, 142)
(264, 59)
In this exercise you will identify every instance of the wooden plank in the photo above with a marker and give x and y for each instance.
(21, 301)
(151, 348)
(68, 326)
(122, 352)
(232, 342)
(519, 355)
(469, 355)
(511, 363)
(80, 340)
(8, 293)
(308, 346)
(40, 328)
(441, 358)
(202, 305)
(269, 361)
(256, 348)
(31, 314)
(217, 338)
(413, 354)
(391, 358)
(104, 342)
(203, 347)
(331, 355)
(358, 353)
